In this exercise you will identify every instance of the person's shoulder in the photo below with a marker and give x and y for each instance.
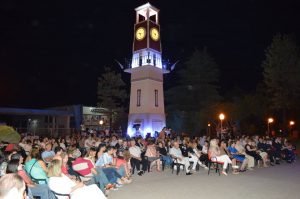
(78, 160)
(105, 154)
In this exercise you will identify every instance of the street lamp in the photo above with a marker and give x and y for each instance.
(221, 117)
(101, 122)
(292, 123)
(270, 120)
(208, 126)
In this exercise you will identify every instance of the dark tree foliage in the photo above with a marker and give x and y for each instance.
(282, 73)
(197, 89)
(112, 94)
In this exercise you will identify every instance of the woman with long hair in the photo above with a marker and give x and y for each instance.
(39, 190)
(36, 167)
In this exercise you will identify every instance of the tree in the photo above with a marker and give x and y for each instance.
(8, 134)
(197, 90)
(111, 93)
(282, 73)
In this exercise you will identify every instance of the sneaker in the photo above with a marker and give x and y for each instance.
(235, 166)
(119, 181)
(119, 185)
(224, 173)
(205, 167)
(189, 173)
(127, 181)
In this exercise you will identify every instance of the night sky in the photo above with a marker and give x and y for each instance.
(51, 52)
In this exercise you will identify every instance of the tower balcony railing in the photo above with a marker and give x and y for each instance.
(147, 60)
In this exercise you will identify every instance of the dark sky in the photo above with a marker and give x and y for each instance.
(51, 52)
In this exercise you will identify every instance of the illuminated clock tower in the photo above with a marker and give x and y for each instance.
(146, 111)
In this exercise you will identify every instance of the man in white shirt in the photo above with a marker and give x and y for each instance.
(136, 159)
(175, 152)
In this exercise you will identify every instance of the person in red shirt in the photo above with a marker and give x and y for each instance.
(84, 167)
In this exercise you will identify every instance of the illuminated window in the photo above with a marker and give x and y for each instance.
(138, 100)
(156, 97)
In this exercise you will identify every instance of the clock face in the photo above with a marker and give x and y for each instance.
(140, 33)
(154, 34)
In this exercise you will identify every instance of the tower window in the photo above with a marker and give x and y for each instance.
(141, 18)
(153, 18)
(156, 97)
(138, 100)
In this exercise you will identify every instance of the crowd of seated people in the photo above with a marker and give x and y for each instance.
(95, 164)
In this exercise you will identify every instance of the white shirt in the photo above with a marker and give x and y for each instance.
(113, 143)
(88, 143)
(135, 151)
(176, 152)
(107, 158)
(64, 185)
(204, 149)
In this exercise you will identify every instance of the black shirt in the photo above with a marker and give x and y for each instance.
(162, 151)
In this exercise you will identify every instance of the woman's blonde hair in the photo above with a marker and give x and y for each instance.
(54, 169)
(213, 143)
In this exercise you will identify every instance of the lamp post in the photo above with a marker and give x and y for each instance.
(101, 122)
(221, 117)
(270, 120)
(292, 123)
(208, 127)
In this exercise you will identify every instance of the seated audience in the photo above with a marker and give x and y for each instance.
(153, 155)
(36, 167)
(163, 152)
(214, 154)
(12, 186)
(48, 154)
(39, 190)
(61, 184)
(238, 156)
(136, 159)
(176, 153)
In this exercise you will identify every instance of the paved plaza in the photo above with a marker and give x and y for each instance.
(278, 182)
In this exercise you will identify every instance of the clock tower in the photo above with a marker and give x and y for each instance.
(146, 110)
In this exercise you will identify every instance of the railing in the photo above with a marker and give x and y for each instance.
(146, 60)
